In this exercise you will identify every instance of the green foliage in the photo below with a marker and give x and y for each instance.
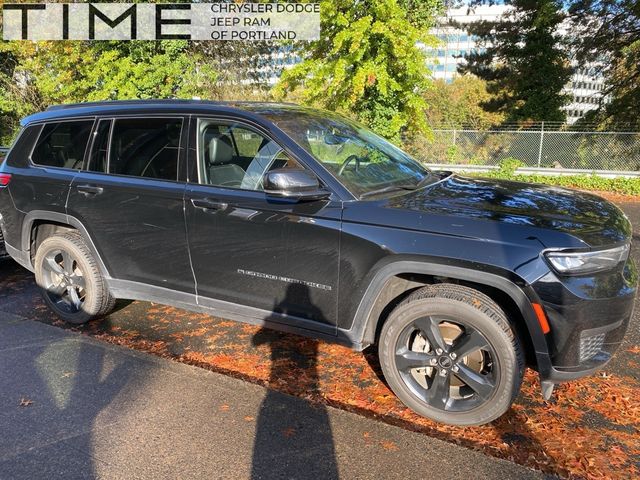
(8, 117)
(507, 171)
(624, 86)
(460, 104)
(47, 73)
(452, 153)
(611, 40)
(420, 13)
(525, 63)
(367, 64)
(508, 166)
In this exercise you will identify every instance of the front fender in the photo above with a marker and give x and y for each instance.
(365, 323)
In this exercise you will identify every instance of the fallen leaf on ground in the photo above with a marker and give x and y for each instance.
(388, 445)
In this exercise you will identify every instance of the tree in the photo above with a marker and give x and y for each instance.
(8, 117)
(368, 63)
(241, 67)
(85, 71)
(607, 35)
(420, 13)
(460, 104)
(46, 73)
(525, 61)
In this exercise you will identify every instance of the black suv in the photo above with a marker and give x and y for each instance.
(306, 222)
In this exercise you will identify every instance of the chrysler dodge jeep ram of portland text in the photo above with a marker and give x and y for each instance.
(304, 221)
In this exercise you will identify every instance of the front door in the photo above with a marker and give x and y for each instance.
(249, 248)
(131, 201)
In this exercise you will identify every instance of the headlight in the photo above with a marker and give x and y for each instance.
(576, 263)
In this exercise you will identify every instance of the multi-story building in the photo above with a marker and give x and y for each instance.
(586, 92)
(272, 65)
(585, 88)
(455, 43)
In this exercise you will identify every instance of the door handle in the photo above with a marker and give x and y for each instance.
(89, 189)
(206, 204)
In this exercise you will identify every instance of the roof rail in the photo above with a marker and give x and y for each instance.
(107, 103)
(176, 101)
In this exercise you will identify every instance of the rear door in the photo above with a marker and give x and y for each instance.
(55, 159)
(130, 199)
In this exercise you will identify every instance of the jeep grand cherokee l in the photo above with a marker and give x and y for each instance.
(304, 221)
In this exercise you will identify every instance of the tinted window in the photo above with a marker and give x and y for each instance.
(146, 147)
(100, 149)
(62, 144)
(21, 149)
(238, 157)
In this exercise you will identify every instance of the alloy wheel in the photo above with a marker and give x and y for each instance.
(447, 364)
(64, 280)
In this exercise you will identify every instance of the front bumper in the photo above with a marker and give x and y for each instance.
(588, 316)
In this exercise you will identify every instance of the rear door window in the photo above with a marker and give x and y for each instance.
(142, 147)
(62, 144)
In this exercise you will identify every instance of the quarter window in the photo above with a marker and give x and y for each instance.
(142, 147)
(62, 144)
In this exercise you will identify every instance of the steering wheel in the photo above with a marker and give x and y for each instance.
(347, 161)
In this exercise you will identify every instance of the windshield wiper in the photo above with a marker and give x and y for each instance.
(390, 188)
(403, 186)
(426, 180)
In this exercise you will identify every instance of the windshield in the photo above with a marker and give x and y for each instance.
(363, 161)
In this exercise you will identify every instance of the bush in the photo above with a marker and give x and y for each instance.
(507, 171)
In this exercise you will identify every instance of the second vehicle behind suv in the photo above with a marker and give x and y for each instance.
(306, 222)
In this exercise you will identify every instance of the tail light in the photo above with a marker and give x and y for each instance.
(5, 178)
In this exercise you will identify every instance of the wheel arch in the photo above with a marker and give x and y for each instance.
(394, 281)
(54, 222)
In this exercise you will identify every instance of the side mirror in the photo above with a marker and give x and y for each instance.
(296, 184)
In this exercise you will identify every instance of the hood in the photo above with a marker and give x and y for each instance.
(589, 219)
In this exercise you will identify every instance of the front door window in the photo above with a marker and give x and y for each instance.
(235, 156)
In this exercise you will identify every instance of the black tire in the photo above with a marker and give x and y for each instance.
(489, 373)
(64, 264)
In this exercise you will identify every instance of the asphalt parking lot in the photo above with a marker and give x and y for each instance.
(590, 429)
(74, 407)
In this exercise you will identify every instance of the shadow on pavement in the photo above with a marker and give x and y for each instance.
(276, 432)
(51, 393)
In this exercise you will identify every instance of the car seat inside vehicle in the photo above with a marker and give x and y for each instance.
(219, 162)
(237, 157)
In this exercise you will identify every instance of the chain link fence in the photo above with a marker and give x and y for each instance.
(591, 150)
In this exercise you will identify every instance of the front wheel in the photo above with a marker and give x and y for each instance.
(70, 280)
(449, 353)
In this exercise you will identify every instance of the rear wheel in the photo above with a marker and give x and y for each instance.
(449, 353)
(70, 280)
